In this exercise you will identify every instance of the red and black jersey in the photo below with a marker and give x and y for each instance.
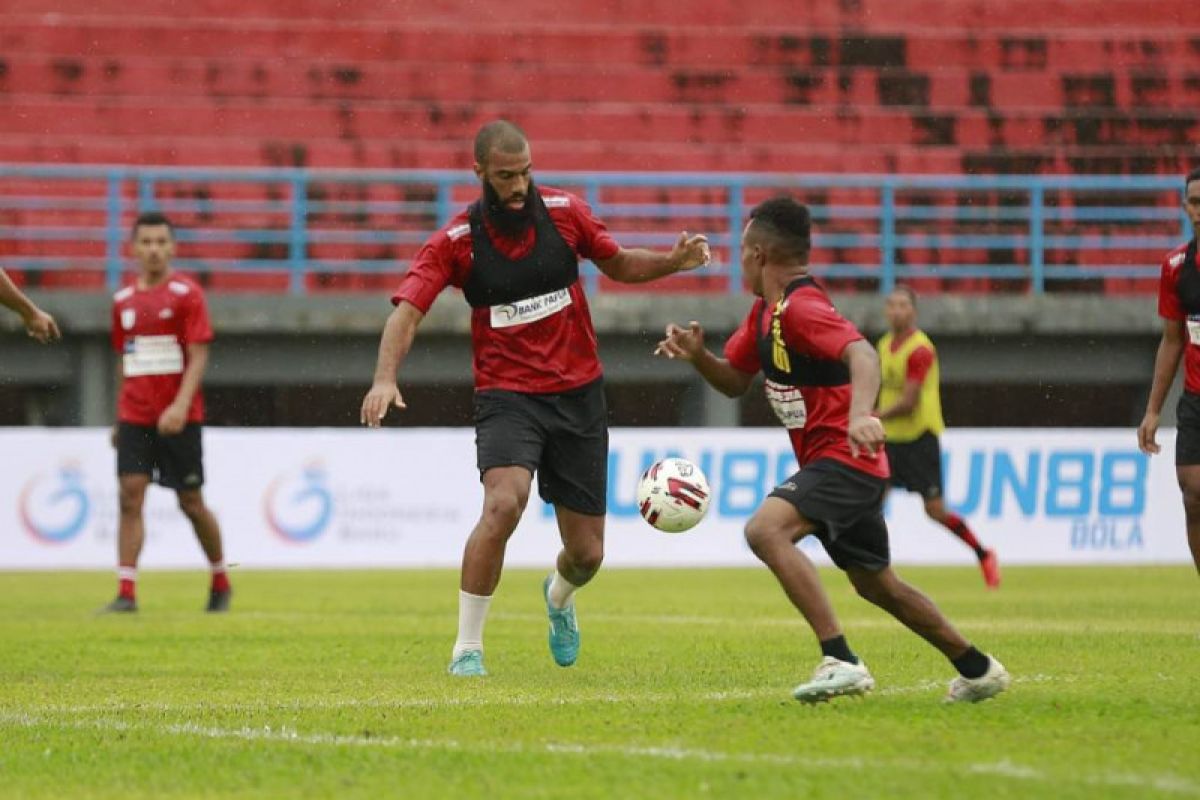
(1179, 300)
(151, 329)
(798, 346)
(532, 333)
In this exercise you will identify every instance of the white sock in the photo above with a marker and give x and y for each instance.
(561, 591)
(218, 567)
(127, 573)
(472, 613)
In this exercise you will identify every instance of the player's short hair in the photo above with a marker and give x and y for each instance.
(151, 218)
(499, 135)
(1194, 175)
(907, 291)
(786, 225)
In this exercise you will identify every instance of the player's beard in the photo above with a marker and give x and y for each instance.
(507, 221)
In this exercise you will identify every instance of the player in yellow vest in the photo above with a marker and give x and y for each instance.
(910, 406)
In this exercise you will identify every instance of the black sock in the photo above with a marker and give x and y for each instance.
(971, 664)
(837, 648)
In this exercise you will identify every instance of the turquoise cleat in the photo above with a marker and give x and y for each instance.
(468, 664)
(564, 630)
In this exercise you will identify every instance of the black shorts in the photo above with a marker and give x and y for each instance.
(847, 506)
(1187, 434)
(917, 465)
(562, 438)
(175, 462)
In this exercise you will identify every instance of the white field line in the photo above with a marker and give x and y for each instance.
(779, 693)
(1004, 769)
(993, 625)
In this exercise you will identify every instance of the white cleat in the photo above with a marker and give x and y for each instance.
(972, 690)
(834, 678)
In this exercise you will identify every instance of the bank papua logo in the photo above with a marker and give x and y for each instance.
(298, 504)
(54, 507)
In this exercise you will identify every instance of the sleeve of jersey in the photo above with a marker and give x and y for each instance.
(1169, 306)
(920, 361)
(741, 349)
(430, 272)
(117, 335)
(197, 328)
(815, 328)
(595, 242)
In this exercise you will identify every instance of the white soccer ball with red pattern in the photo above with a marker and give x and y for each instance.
(673, 495)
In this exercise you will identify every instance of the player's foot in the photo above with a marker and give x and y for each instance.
(121, 605)
(564, 630)
(218, 601)
(990, 566)
(834, 678)
(468, 664)
(972, 690)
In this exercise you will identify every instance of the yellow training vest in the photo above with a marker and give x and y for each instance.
(927, 416)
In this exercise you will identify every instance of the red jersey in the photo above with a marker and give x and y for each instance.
(555, 351)
(1172, 306)
(152, 328)
(807, 334)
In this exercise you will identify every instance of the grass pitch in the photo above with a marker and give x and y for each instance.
(334, 685)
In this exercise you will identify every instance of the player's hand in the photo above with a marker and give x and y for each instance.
(1147, 432)
(41, 326)
(690, 252)
(171, 421)
(683, 343)
(377, 402)
(866, 435)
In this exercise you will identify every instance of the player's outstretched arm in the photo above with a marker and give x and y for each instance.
(687, 344)
(38, 324)
(640, 266)
(865, 430)
(394, 345)
(1166, 364)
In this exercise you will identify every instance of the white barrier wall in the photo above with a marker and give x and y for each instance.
(354, 498)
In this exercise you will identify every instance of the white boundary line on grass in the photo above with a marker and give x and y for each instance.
(1170, 784)
(731, 695)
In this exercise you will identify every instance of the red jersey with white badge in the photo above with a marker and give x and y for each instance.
(541, 346)
(151, 329)
(798, 345)
(1179, 299)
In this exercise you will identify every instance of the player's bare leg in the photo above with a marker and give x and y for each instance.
(131, 536)
(981, 676)
(1189, 485)
(772, 534)
(208, 533)
(935, 507)
(579, 560)
(505, 493)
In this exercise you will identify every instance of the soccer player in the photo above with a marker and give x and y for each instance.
(38, 324)
(821, 379)
(160, 327)
(539, 394)
(1179, 307)
(910, 407)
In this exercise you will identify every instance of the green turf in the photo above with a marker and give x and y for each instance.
(333, 685)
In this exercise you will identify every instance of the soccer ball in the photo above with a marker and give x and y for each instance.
(672, 495)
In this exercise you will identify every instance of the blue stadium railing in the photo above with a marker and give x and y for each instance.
(1023, 229)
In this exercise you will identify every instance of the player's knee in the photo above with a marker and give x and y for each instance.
(191, 504)
(131, 500)
(502, 509)
(1191, 501)
(871, 587)
(761, 534)
(589, 556)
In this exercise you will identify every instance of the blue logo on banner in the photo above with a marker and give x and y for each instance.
(299, 507)
(54, 510)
